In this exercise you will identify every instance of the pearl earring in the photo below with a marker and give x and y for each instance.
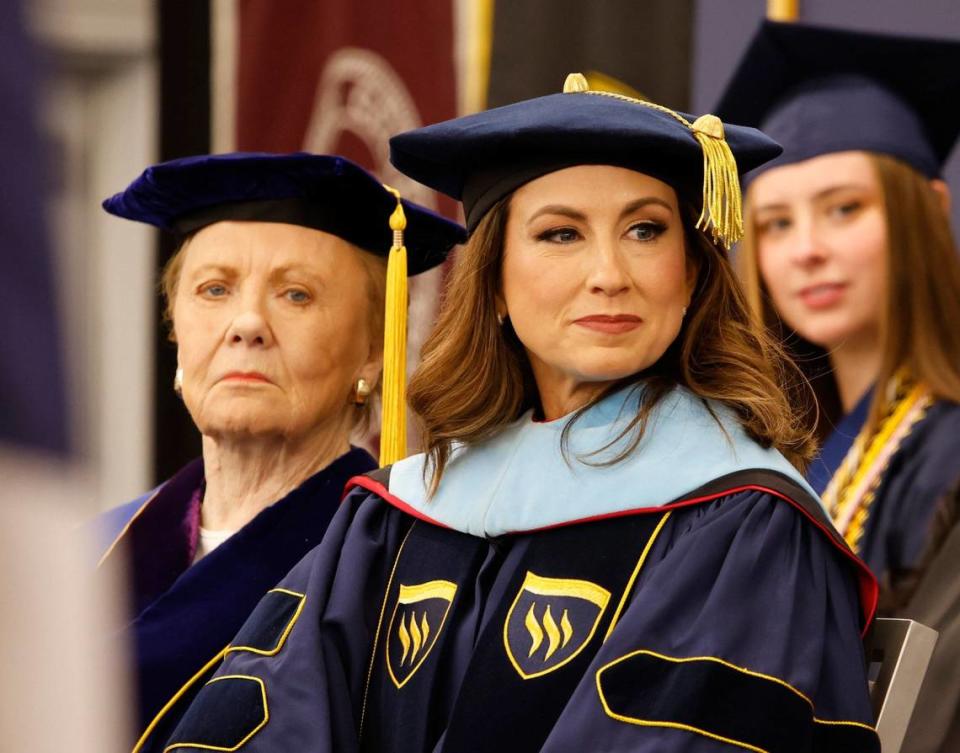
(178, 381)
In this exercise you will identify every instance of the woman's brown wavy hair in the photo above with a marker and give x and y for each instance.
(922, 309)
(474, 377)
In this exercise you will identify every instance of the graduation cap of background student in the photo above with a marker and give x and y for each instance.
(481, 158)
(818, 91)
(326, 193)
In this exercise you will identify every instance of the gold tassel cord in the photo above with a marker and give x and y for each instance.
(393, 425)
(722, 211)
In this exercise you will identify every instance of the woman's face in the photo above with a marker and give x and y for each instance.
(595, 276)
(822, 246)
(272, 323)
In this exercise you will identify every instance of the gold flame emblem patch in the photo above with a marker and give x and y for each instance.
(417, 620)
(550, 621)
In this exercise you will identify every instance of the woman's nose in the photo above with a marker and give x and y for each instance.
(250, 328)
(607, 275)
(808, 247)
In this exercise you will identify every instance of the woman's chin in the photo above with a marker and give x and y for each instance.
(608, 373)
(240, 422)
(826, 337)
(825, 329)
(604, 365)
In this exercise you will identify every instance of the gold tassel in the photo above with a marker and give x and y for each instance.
(393, 424)
(722, 212)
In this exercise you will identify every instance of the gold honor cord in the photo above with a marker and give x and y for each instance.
(393, 425)
(722, 214)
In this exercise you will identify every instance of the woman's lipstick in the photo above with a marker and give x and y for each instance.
(245, 376)
(611, 325)
(822, 296)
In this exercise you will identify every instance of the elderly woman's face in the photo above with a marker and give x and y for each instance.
(273, 329)
(595, 277)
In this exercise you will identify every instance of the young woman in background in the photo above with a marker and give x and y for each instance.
(848, 255)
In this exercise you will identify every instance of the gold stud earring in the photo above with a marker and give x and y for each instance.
(178, 381)
(362, 392)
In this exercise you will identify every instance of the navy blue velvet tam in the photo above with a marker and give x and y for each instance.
(481, 158)
(322, 192)
(819, 91)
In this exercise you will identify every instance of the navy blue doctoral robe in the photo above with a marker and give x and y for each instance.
(185, 614)
(729, 615)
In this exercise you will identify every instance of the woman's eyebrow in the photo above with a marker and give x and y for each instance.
(633, 206)
(827, 192)
(820, 195)
(575, 214)
(559, 209)
(776, 205)
(217, 269)
(286, 271)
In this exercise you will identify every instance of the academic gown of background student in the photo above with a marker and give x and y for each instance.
(911, 541)
(690, 597)
(184, 613)
(916, 469)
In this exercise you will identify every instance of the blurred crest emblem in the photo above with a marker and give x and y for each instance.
(550, 622)
(418, 617)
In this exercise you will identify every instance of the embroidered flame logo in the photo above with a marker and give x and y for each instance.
(415, 637)
(550, 621)
(550, 627)
(418, 617)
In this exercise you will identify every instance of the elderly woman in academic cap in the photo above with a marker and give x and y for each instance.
(849, 255)
(276, 304)
(607, 543)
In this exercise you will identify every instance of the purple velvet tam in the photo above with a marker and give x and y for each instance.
(322, 192)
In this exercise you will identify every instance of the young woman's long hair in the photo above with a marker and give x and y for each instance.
(475, 377)
(919, 322)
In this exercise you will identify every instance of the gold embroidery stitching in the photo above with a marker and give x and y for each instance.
(286, 631)
(542, 586)
(245, 740)
(416, 637)
(376, 635)
(636, 572)
(176, 697)
(677, 725)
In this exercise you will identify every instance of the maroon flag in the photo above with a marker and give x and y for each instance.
(342, 76)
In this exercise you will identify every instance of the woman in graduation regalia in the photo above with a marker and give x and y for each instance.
(275, 300)
(848, 253)
(604, 545)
